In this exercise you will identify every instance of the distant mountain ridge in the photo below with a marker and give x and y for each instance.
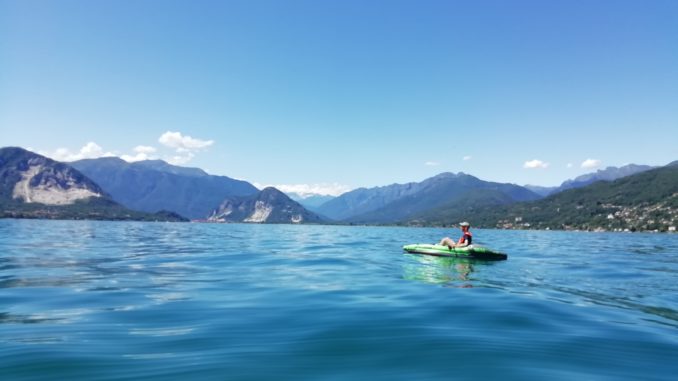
(162, 166)
(363, 200)
(398, 202)
(33, 186)
(541, 190)
(154, 185)
(607, 174)
(443, 191)
(268, 206)
(311, 203)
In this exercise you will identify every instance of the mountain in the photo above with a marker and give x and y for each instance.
(162, 166)
(644, 201)
(268, 206)
(33, 186)
(540, 190)
(607, 174)
(439, 193)
(399, 202)
(154, 185)
(363, 200)
(311, 203)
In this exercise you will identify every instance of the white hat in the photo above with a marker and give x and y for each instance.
(464, 224)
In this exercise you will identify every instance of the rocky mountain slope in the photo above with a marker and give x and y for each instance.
(268, 206)
(33, 186)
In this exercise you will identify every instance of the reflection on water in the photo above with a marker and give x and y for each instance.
(439, 270)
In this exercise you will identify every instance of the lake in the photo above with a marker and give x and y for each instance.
(128, 301)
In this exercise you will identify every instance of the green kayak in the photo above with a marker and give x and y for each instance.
(471, 251)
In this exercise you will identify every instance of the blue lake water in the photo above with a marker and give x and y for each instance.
(128, 301)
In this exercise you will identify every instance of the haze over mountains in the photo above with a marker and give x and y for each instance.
(34, 186)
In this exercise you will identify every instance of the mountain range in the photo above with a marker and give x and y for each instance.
(400, 202)
(154, 185)
(643, 201)
(607, 174)
(448, 197)
(110, 188)
(33, 186)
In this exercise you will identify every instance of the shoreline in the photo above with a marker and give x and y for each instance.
(451, 226)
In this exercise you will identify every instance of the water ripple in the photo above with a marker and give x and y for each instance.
(125, 300)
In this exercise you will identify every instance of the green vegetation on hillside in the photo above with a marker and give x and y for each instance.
(645, 201)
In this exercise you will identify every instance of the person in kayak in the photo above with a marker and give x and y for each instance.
(465, 240)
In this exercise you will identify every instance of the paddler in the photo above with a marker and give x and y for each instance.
(465, 240)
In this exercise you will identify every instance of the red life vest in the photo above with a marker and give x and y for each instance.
(466, 237)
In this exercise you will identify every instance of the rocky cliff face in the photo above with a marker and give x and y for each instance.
(268, 206)
(33, 186)
(31, 178)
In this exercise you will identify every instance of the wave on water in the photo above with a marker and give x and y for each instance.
(127, 300)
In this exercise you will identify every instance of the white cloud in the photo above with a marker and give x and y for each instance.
(184, 146)
(138, 157)
(432, 163)
(62, 154)
(590, 163)
(532, 164)
(308, 190)
(183, 143)
(144, 149)
(570, 165)
(466, 158)
(181, 159)
(91, 150)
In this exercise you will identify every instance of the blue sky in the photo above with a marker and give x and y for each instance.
(345, 93)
